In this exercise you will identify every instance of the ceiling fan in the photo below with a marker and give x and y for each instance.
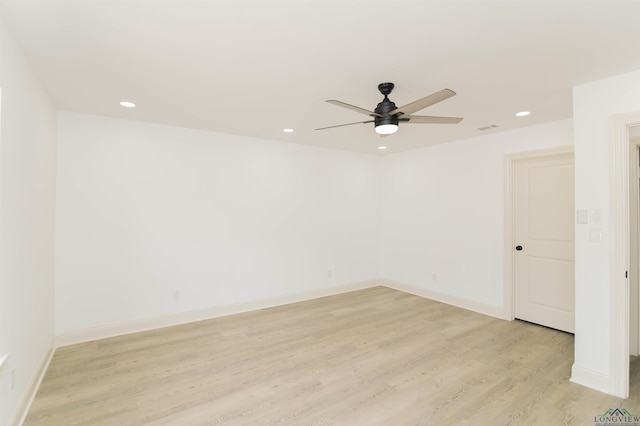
(386, 116)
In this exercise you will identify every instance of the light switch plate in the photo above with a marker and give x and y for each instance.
(582, 216)
(596, 217)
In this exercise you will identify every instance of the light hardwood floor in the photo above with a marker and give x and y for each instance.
(370, 357)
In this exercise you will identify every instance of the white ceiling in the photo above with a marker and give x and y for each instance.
(254, 67)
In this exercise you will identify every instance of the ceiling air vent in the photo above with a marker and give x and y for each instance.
(490, 126)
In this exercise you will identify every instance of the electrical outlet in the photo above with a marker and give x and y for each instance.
(176, 295)
(596, 234)
(329, 274)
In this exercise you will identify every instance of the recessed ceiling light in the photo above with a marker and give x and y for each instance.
(522, 113)
(287, 130)
(382, 147)
(128, 104)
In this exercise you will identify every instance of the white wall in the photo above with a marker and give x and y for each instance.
(146, 211)
(27, 199)
(444, 212)
(593, 105)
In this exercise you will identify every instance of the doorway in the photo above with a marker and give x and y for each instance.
(539, 237)
(543, 195)
(634, 241)
(620, 150)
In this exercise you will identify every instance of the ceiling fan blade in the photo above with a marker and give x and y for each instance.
(348, 124)
(354, 108)
(432, 120)
(432, 99)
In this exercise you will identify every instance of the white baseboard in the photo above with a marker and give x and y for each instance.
(579, 375)
(20, 415)
(103, 332)
(493, 311)
(591, 379)
(86, 335)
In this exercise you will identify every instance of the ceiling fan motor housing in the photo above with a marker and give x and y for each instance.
(384, 108)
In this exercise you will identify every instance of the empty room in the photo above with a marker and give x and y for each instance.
(319, 212)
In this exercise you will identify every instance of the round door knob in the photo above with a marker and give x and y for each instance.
(518, 248)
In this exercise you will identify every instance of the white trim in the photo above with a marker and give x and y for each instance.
(509, 220)
(471, 305)
(634, 190)
(27, 398)
(591, 379)
(86, 335)
(619, 206)
(103, 332)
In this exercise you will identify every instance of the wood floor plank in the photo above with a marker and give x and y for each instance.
(371, 357)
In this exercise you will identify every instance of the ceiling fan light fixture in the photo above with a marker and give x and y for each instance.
(386, 129)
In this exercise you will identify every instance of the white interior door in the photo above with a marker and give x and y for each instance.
(544, 241)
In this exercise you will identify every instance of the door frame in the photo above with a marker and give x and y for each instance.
(509, 218)
(619, 149)
(634, 254)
